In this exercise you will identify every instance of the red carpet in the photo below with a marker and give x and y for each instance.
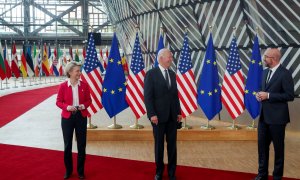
(14, 105)
(18, 162)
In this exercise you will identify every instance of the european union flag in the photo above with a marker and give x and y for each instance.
(253, 83)
(160, 46)
(209, 92)
(114, 84)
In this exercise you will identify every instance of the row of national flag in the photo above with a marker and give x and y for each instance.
(37, 61)
(115, 93)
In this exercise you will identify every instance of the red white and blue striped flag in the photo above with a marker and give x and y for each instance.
(135, 82)
(233, 83)
(187, 91)
(92, 75)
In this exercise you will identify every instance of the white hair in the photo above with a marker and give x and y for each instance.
(69, 67)
(161, 52)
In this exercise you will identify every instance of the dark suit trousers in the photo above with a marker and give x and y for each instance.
(77, 122)
(159, 131)
(268, 133)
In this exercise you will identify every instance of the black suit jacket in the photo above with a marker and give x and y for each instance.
(160, 100)
(281, 88)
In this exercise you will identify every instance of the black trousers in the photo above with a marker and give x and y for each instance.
(78, 123)
(268, 133)
(159, 131)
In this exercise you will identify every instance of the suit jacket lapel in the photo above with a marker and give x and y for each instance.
(274, 77)
(172, 79)
(265, 74)
(161, 77)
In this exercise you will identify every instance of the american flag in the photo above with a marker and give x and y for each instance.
(233, 83)
(135, 82)
(92, 75)
(185, 78)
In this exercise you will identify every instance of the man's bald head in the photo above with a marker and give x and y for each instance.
(272, 57)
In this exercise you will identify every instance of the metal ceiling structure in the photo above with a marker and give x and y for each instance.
(54, 21)
(278, 23)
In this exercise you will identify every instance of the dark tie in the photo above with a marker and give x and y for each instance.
(167, 78)
(269, 76)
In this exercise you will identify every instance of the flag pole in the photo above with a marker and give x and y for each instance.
(234, 126)
(6, 79)
(1, 86)
(23, 82)
(207, 126)
(90, 125)
(115, 125)
(136, 125)
(185, 125)
(6, 83)
(15, 80)
(252, 126)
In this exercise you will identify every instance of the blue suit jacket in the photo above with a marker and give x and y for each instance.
(281, 90)
(160, 100)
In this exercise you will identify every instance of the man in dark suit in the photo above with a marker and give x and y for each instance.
(277, 90)
(163, 110)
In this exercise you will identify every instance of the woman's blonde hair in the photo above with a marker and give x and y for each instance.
(69, 67)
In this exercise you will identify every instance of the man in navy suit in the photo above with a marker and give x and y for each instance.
(277, 90)
(163, 110)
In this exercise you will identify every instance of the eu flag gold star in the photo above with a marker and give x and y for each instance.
(111, 60)
(253, 61)
(260, 63)
(120, 89)
(254, 93)
(119, 62)
(216, 90)
(246, 91)
(208, 61)
(209, 93)
(202, 91)
(215, 63)
(125, 83)
(112, 92)
(104, 90)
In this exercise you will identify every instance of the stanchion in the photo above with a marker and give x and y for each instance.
(90, 125)
(6, 84)
(29, 81)
(233, 126)
(115, 125)
(136, 125)
(40, 80)
(36, 81)
(23, 82)
(252, 126)
(207, 126)
(185, 125)
(1, 88)
(15, 83)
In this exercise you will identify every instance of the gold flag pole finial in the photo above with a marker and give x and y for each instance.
(234, 31)
(185, 28)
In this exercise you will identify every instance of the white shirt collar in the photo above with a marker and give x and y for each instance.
(275, 68)
(161, 68)
(69, 83)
